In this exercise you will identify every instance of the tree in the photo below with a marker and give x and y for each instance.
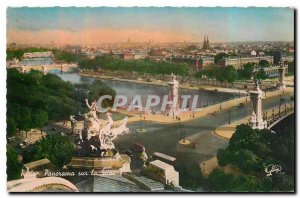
(225, 157)
(192, 47)
(141, 66)
(98, 89)
(247, 71)
(264, 63)
(33, 99)
(219, 56)
(11, 127)
(251, 150)
(230, 73)
(219, 73)
(57, 148)
(248, 161)
(291, 67)
(261, 74)
(40, 118)
(13, 166)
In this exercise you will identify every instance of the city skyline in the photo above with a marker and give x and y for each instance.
(161, 25)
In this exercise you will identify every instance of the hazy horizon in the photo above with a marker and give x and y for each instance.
(80, 26)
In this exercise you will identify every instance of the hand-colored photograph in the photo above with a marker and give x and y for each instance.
(150, 99)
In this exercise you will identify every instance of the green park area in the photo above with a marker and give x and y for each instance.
(35, 100)
(141, 66)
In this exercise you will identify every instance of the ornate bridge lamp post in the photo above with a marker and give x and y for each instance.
(285, 108)
(256, 96)
(280, 100)
(281, 77)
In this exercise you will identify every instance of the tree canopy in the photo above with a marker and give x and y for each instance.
(228, 74)
(219, 56)
(57, 148)
(142, 66)
(264, 63)
(13, 165)
(33, 99)
(246, 72)
(252, 150)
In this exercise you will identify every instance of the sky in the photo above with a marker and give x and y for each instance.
(88, 25)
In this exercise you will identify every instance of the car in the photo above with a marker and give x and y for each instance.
(138, 148)
(11, 139)
(194, 145)
(128, 152)
(241, 105)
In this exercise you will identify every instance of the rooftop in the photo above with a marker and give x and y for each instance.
(37, 163)
(162, 165)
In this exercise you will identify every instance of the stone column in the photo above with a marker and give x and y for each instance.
(281, 77)
(173, 94)
(256, 120)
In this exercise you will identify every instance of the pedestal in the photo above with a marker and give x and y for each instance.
(104, 165)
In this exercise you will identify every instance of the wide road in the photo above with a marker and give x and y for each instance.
(164, 137)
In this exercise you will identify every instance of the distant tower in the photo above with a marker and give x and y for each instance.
(205, 43)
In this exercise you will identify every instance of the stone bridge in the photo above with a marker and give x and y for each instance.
(46, 68)
(275, 118)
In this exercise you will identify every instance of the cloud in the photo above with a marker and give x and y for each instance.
(93, 36)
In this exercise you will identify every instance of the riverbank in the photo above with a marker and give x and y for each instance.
(163, 83)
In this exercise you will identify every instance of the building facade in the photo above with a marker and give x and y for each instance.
(238, 62)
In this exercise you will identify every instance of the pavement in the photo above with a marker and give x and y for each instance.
(188, 115)
(226, 131)
(163, 132)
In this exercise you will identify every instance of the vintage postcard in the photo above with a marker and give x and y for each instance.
(150, 99)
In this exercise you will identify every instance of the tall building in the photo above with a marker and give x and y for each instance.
(205, 43)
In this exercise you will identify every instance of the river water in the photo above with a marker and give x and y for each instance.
(131, 89)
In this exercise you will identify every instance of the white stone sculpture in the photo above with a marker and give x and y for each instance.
(93, 129)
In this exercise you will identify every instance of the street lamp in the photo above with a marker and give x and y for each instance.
(229, 118)
(140, 122)
(182, 133)
(265, 93)
(280, 100)
(285, 108)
